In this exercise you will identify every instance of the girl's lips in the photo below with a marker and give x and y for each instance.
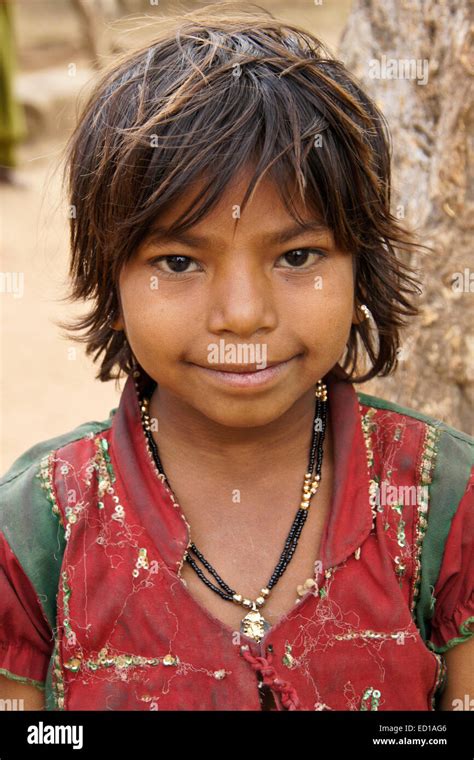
(247, 379)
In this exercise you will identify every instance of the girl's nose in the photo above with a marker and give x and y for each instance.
(241, 302)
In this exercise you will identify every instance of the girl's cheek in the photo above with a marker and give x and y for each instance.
(326, 325)
(329, 305)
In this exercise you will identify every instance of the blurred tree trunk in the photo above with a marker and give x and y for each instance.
(93, 16)
(430, 112)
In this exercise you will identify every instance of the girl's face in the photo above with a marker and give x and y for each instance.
(238, 299)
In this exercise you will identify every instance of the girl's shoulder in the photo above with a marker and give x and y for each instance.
(445, 526)
(30, 533)
(35, 453)
(375, 402)
(451, 450)
(444, 459)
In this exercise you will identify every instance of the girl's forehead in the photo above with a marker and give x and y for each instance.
(264, 210)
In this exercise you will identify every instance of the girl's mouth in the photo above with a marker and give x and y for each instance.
(247, 379)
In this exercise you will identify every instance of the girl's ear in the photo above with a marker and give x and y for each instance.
(118, 324)
(357, 315)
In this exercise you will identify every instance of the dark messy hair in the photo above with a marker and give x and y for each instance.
(219, 89)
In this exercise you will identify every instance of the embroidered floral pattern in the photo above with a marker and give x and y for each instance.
(427, 462)
(45, 476)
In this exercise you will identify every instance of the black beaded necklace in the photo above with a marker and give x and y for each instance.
(254, 624)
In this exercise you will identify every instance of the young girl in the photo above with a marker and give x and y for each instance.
(245, 531)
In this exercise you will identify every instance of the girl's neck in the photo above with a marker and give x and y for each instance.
(186, 435)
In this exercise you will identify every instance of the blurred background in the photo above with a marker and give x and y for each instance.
(53, 49)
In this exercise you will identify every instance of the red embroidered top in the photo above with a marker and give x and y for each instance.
(93, 609)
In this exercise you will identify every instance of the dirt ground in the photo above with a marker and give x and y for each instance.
(48, 385)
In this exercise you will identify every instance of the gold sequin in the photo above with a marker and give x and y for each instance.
(169, 659)
(73, 664)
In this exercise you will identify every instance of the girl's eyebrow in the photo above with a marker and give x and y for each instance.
(162, 235)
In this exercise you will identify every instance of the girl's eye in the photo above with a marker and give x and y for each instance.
(299, 257)
(172, 266)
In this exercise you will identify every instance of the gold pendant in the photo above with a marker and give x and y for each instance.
(254, 624)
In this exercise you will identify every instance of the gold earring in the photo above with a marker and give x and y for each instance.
(321, 391)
